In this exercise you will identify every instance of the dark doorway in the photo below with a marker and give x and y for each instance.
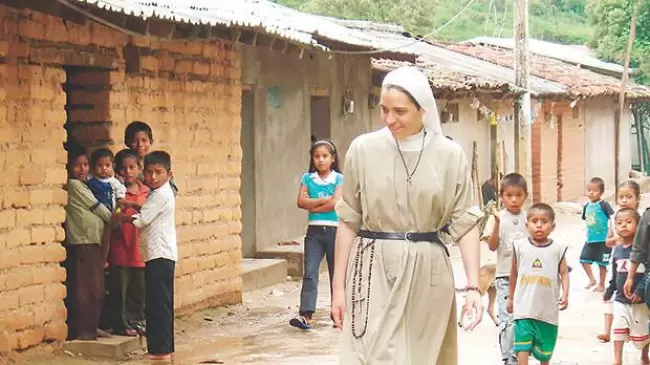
(247, 188)
(320, 117)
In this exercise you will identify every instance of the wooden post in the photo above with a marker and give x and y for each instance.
(621, 98)
(639, 139)
(475, 179)
(523, 160)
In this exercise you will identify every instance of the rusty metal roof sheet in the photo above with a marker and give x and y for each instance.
(579, 81)
(449, 70)
(258, 15)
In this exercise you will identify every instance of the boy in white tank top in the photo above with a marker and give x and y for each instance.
(538, 267)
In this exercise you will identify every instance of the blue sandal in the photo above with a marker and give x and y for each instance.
(300, 322)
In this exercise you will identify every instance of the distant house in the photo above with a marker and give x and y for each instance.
(571, 107)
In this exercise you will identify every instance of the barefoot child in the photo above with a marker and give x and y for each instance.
(86, 219)
(630, 314)
(596, 214)
(500, 232)
(628, 196)
(126, 270)
(157, 233)
(538, 266)
(321, 187)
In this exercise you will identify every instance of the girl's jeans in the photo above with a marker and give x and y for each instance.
(319, 242)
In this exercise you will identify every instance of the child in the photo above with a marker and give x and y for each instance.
(628, 196)
(103, 183)
(84, 227)
(596, 214)
(319, 191)
(538, 266)
(126, 271)
(156, 222)
(501, 231)
(630, 315)
(138, 136)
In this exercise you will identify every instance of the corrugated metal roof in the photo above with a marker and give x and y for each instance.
(449, 70)
(259, 15)
(575, 54)
(580, 82)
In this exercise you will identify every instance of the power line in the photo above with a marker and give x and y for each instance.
(376, 51)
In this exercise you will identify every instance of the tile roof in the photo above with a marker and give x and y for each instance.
(579, 81)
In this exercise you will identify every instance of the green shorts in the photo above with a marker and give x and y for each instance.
(535, 337)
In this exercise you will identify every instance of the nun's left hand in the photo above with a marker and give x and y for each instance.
(472, 309)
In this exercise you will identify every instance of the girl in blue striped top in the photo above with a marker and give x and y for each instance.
(320, 188)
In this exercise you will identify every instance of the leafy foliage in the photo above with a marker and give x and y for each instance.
(611, 19)
(554, 20)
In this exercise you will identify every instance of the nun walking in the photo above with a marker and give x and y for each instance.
(393, 288)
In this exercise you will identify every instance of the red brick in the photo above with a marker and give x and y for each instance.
(31, 254)
(16, 158)
(32, 176)
(15, 199)
(8, 341)
(54, 252)
(20, 320)
(18, 49)
(9, 177)
(31, 294)
(7, 219)
(56, 176)
(59, 234)
(30, 337)
(18, 237)
(38, 134)
(55, 331)
(60, 197)
(54, 215)
(18, 278)
(42, 197)
(54, 292)
(50, 273)
(29, 217)
(9, 259)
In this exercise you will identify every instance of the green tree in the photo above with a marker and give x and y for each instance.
(611, 20)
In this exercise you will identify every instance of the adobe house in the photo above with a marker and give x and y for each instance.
(75, 68)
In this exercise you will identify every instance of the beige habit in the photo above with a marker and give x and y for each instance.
(400, 300)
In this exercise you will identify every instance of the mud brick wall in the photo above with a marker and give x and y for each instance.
(190, 94)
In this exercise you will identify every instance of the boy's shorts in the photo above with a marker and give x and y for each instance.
(535, 337)
(631, 324)
(608, 307)
(595, 253)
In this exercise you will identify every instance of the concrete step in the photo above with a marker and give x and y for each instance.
(259, 273)
(114, 348)
(293, 254)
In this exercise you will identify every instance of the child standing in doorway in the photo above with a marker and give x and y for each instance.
(538, 266)
(628, 197)
(157, 224)
(86, 219)
(500, 232)
(126, 270)
(138, 136)
(319, 190)
(630, 314)
(596, 214)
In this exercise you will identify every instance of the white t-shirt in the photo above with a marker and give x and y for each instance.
(511, 228)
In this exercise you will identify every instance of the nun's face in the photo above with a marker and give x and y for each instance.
(400, 114)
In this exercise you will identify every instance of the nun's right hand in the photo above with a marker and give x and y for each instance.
(338, 308)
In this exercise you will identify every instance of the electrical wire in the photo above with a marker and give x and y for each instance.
(395, 48)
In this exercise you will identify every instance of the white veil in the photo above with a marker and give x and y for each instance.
(417, 84)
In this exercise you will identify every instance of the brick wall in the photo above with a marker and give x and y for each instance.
(558, 157)
(190, 94)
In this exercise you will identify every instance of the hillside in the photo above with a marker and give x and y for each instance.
(554, 20)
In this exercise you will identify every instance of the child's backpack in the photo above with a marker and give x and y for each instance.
(607, 209)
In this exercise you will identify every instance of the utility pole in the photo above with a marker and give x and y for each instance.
(523, 159)
(621, 98)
